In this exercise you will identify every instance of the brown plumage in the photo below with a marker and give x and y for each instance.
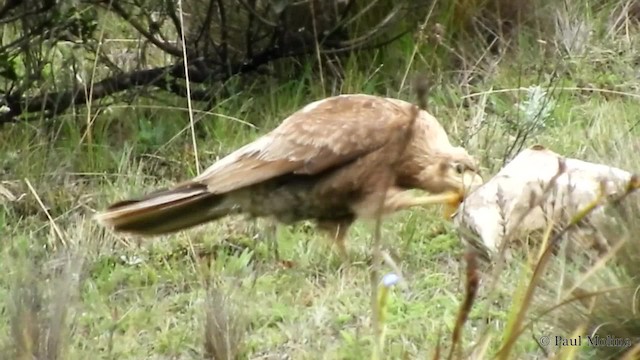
(327, 162)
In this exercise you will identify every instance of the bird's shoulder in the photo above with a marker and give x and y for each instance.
(344, 122)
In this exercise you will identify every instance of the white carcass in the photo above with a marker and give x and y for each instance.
(515, 202)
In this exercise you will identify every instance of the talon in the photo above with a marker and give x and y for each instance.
(452, 204)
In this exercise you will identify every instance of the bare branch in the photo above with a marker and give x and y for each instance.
(237, 40)
(374, 32)
(224, 33)
(8, 6)
(206, 24)
(164, 46)
(173, 15)
(249, 33)
(366, 46)
(254, 14)
(55, 103)
(48, 5)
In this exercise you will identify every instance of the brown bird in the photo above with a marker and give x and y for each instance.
(330, 162)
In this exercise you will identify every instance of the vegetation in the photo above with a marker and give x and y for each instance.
(83, 126)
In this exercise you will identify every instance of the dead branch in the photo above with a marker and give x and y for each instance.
(223, 40)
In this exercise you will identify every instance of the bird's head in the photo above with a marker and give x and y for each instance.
(463, 177)
(455, 172)
(460, 175)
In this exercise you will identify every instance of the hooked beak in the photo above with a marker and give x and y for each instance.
(470, 181)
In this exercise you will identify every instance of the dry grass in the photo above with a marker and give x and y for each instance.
(224, 328)
(40, 306)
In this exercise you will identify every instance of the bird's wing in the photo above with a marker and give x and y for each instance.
(322, 135)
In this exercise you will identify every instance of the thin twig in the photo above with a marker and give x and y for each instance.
(224, 35)
(317, 45)
(188, 88)
(416, 47)
(471, 290)
(196, 263)
(255, 14)
(401, 141)
(90, 120)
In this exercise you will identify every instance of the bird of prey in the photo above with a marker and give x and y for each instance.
(329, 162)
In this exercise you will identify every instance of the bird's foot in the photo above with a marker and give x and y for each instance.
(341, 250)
(449, 198)
(336, 231)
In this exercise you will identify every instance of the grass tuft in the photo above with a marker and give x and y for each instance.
(40, 312)
(224, 327)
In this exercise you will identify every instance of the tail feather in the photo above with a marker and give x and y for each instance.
(165, 211)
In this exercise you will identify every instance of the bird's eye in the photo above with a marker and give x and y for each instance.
(459, 168)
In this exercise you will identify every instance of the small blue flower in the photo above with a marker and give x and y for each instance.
(390, 279)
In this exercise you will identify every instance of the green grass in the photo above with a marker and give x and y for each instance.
(147, 299)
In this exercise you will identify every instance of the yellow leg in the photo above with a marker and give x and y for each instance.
(446, 198)
(397, 200)
(449, 200)
(337, 231)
